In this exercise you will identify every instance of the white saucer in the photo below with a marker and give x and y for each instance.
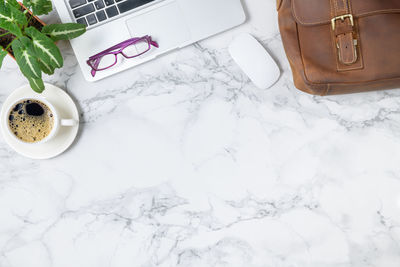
(65, 136)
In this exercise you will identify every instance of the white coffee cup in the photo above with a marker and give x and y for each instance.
(58, 122)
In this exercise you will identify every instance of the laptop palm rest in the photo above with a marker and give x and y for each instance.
(166, 25)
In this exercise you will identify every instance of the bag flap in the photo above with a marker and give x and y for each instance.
(318, 12)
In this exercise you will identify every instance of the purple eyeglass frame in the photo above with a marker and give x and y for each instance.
(94, 60)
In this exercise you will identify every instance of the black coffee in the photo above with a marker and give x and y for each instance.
(31, 120)
(34, 109)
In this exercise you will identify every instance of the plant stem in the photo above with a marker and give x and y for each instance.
(30, 18)
(1, 35)
(8, 46)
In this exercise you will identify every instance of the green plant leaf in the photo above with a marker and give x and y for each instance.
(3, 54)
(46, 68)
(9, 20)
(18, 15)
(13, 3)
(11, 12)
(65, 31)
(26, 58)
(39, 7)
(11, 27)
(45, 48)
(36, 84)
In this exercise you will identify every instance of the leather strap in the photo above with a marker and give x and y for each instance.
(344, 32)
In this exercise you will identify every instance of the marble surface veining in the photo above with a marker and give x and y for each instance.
(183, 162)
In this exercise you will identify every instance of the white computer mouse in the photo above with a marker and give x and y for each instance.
(254, 60)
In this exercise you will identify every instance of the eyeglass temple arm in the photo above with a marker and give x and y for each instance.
(114, 47)
(153, 43)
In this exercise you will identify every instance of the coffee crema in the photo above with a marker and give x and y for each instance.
(31, 120)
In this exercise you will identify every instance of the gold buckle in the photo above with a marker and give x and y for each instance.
(350, 16)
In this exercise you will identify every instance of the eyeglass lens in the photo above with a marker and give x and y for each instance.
(133, 50)
(107, 61)
(136, 49)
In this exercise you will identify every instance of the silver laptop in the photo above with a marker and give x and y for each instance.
(173, 24)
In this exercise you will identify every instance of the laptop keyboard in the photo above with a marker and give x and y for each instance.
(90, 12)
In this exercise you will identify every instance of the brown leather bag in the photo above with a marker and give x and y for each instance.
(342, 46)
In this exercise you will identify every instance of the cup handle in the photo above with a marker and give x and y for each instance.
(68, 122)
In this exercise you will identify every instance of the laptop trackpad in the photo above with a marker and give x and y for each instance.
(166, 25)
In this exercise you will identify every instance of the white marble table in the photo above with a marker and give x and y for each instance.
(183, 162)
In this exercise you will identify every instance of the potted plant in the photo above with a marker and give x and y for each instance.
(32, 43)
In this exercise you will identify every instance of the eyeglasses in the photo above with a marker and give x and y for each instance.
(130, 48)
